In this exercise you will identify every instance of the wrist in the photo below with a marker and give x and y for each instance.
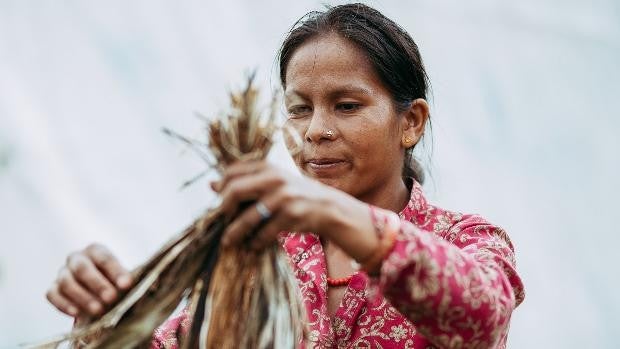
(387, 226)
(349, 225)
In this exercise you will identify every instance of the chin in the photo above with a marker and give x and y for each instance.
(340, 181)
(337, 183)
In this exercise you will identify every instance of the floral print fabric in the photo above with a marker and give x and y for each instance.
(448, 282)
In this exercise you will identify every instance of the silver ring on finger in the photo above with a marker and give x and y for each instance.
(263, 211)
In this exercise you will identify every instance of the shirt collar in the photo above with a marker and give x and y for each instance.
(416, 209)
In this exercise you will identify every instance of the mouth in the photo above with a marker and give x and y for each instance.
(322, 166)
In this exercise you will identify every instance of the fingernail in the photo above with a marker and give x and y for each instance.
(94, 307)
(72, 310)
(124, 281)
(108, 295)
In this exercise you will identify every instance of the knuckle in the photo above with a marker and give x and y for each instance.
(287, 211)
(109, 265)
(64, 275)
(65, 285)
(81, 268)
(285, 195)
(94, 248)
(276, 177)
(72, 256)
(77, 265)
(234, 191)
(280, 181)
(299, 211)
(295, 211)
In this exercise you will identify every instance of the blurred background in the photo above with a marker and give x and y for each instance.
(524, 113)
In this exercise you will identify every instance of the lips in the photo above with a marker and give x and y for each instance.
(325, 165)
(324, 161)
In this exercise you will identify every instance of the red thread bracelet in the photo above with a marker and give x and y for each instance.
(387, 229)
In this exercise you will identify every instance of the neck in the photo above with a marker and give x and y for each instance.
(392, 196)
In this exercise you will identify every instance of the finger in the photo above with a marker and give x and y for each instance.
(107, 263)
(238, 169)
(76, 294)
(60, 302)
(268, 234)
(292, 215)
(239, 228)
(87, 274)
(249, 220)
(248, 188)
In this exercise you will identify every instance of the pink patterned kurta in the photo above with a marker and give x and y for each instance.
(449, 282)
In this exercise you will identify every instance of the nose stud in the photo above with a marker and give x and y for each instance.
(329, 133)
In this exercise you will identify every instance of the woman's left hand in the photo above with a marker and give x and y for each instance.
(285, 202)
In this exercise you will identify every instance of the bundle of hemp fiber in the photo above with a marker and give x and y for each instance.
(236, 297)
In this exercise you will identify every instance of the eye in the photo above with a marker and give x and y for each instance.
(297, 111)
(348, 107)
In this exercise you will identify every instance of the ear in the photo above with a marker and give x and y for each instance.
(413, 123)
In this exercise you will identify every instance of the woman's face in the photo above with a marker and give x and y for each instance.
(332, 86)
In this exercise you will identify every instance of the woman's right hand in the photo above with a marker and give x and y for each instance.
(89, 282)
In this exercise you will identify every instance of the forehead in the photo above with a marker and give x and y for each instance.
(330, 62)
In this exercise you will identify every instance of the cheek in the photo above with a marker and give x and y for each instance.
(375, 143)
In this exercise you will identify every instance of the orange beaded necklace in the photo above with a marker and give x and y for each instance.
(338, 282)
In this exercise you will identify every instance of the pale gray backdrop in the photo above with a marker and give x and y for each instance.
(525, 127)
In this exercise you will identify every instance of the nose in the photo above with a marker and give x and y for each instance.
(319, 129)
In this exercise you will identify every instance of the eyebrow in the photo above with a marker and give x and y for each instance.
(339, 91)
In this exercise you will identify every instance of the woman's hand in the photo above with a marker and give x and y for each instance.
(89, 282)
(284, 202)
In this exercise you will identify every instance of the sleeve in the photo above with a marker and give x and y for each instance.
(459, 290)
(168, 335)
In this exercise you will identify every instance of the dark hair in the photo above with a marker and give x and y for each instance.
(391, 50)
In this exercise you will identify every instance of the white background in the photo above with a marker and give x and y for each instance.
(525, 127)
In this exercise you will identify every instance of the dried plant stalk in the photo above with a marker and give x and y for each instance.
(237, 297)
(249, 282)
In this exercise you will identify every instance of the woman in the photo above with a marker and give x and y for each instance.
(382, 268)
